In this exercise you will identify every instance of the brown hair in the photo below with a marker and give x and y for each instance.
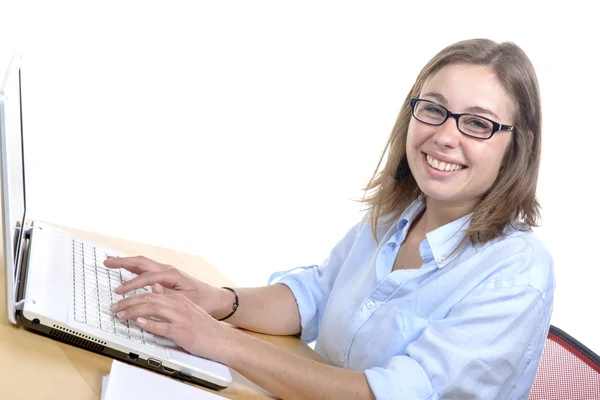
(511, 199)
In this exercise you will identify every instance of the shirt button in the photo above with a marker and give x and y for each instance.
(370, 305)
(343, 359)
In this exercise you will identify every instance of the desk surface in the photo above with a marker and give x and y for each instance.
(36, 367)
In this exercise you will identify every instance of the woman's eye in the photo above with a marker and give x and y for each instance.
(434, 110)
(478, 124)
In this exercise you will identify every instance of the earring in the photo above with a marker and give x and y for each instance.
(403, 170)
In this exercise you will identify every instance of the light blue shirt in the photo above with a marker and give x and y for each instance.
(468, 326)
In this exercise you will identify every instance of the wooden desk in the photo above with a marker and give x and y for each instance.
(36, 367)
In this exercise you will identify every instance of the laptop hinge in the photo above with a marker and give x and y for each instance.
(19, 304)
(24, 257)
(30, 229)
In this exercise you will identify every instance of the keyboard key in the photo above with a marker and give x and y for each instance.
(126, 276)
(136, 337)
(93, 323)
(87, 260)
(79, 316)
(135, 330)
(105, 313)
(116, 297)
(79, 299)
(107, 326)
(121, 332)
(104, 292)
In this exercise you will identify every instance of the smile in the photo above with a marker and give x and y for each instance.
(441, 165)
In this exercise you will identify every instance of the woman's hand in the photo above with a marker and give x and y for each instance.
(180, 320)
(168, 280)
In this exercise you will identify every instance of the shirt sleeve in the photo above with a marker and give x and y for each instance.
(472, 352)
(312, 285)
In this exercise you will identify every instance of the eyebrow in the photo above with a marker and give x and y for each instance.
(475, 109)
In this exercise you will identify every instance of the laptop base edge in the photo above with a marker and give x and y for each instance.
(131, 358)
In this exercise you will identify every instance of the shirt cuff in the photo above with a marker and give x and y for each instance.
(307, 307)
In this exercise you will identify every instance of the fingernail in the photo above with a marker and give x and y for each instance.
(117, 290)
(141, 321)
(113, 307)
(120, 314)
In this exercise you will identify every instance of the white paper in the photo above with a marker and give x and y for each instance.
(129, 382)
(104, 385)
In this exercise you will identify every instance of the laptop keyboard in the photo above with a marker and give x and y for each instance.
(93, 293)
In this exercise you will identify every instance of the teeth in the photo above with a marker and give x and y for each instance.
(441, 165)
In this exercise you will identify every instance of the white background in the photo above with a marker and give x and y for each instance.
(241, 131)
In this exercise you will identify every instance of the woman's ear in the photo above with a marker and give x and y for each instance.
(530, 138)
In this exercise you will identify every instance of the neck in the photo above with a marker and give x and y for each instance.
(439, 213)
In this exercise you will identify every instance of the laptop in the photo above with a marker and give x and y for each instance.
(56, 283)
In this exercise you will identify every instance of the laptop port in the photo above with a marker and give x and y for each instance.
(132, 357)
(168, 370)
(154, 363)
(184, 375)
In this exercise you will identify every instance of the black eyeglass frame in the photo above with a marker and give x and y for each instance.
(449, 114)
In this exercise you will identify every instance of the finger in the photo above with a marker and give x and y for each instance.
(132, 301)
(162, 328)
(163, 310)
(164, 278)
(137, 265)
(145, 298)
(157, 288)
(160, 289)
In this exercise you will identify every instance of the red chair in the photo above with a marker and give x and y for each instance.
(568, 370)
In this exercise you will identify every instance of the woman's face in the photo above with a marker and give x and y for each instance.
(461, 88)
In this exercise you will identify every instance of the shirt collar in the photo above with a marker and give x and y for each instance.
(410, 214)
(440, 242)
(443, 240)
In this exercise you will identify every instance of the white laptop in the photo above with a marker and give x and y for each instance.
(56, 283)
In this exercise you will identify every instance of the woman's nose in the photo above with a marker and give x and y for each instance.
(447, 135)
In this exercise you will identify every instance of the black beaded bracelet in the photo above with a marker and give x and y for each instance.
(235, 304)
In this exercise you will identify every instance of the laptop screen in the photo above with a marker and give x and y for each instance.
(13, 177)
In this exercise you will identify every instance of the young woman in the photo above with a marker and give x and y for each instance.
(442, 291)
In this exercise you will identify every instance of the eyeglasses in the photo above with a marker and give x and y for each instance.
(472, 125)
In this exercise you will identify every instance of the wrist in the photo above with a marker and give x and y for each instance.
(234, 342)
(227, 300)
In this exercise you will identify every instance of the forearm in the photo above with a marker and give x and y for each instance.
(270, 309)
(289, 376)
